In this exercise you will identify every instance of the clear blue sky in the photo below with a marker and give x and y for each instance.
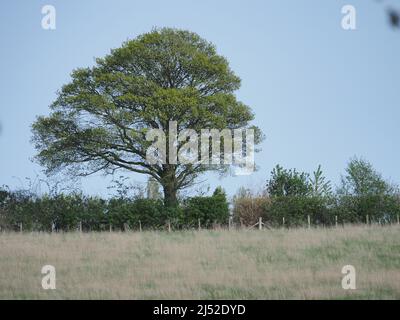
(321, 94)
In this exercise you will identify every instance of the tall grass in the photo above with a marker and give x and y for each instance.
(268, 264)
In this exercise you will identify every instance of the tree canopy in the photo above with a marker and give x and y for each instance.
(362, 179)
(290, 182)
(100, 118)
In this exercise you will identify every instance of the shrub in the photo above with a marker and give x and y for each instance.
(149, 212)
(247, 210)
(17, 207)
(93, 214)
(209, 210)
(379, 208)
(295, 210)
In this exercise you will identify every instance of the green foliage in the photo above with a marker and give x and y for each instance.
(66, 212)
(364, 192)
(295, 210)
(379, 208)
(61, 212)
(149, 212)
(362, 179)
(290, 182)
(294, 195)
(319, 185)
(209, 210)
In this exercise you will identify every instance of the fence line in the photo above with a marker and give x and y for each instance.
(229, 225)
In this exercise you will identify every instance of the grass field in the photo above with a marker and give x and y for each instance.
(270, 264)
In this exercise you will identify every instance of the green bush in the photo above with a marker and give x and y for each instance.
(296, 209)
(209, 210)
(65, 212)
(321, 209)
(17, 207)
(379, 208)
(148, 212)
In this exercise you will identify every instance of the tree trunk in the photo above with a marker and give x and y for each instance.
(169, 184)
(170, 198)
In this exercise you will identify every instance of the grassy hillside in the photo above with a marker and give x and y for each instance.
(269, 264)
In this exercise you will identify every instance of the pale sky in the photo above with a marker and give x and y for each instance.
(321, 94)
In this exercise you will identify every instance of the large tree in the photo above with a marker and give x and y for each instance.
(100, 119)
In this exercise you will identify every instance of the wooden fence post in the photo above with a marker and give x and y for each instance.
(169, 226)
(80, 226)
(309, 221)
(110, 227)
(140, 226)
(367, 219)
(199, 223)
(336, 221)
(229, 223)
(398, 221)
(260, 223)
(283, 222)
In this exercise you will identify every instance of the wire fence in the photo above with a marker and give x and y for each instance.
(229, 225)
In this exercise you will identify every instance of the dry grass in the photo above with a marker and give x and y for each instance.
(271, 264)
